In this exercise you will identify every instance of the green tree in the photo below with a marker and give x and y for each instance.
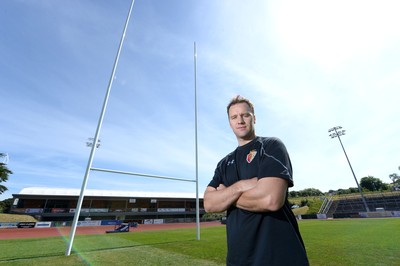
(5, 205)
(371, 183)
(353, 190)
(309, 192)
(395, 178)
(4, 172)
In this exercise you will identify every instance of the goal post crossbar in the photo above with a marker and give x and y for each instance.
(139, 174)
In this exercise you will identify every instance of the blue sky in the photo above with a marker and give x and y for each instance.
(307, 66)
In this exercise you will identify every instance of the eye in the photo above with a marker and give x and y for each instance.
(233, 117)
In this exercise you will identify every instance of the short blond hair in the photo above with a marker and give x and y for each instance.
(240, 99)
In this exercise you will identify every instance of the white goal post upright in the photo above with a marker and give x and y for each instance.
(196, 146)
(96, 138)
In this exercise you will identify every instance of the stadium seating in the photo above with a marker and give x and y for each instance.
(351, 205)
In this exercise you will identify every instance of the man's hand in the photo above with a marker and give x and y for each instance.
(246, 184)
(221, 198)
(268, 195)
(221, 187)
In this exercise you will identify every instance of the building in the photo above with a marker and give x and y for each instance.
(59, 204)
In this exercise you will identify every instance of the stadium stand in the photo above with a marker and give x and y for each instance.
(58, 204)
(349, 206)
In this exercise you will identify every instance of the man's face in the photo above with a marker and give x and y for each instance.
(242, 121)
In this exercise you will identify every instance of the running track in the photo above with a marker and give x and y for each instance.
(15, 233)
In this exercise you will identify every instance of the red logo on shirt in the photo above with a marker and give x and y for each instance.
(251, 156)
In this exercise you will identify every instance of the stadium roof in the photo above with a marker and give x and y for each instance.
(45, 191)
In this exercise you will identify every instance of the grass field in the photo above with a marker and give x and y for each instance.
(328, 242)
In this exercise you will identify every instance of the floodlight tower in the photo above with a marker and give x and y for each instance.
(337, 133)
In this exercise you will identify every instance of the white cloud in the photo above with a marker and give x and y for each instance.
(333, 33)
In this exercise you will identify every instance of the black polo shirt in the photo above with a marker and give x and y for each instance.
(260, 238)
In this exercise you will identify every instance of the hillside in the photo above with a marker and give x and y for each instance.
(9, 218)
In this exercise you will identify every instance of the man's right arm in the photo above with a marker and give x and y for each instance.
(221, 198)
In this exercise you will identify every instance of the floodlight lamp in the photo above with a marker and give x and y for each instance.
(90, 142)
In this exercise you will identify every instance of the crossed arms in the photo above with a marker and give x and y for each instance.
(256, 195)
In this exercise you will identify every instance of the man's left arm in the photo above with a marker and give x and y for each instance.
(268, 195)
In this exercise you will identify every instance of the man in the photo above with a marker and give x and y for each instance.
(251, 184)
